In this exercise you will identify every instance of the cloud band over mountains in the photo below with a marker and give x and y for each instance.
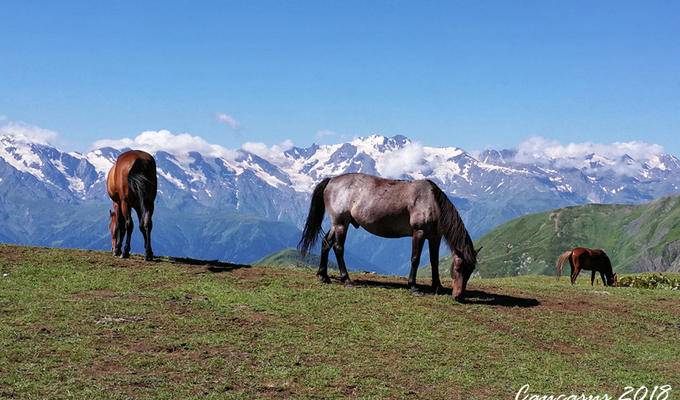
(394, 163)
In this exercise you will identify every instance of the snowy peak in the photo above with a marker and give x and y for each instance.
(620, 172)
(65, 171)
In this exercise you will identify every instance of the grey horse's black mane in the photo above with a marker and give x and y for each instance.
(452, 228)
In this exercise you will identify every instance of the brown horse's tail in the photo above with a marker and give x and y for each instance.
(317, 209)
(142, 181)
(561, 260)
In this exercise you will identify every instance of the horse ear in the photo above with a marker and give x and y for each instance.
(478, 250)
(110, 213)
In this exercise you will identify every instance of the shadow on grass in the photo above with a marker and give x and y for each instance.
(495, 299)
(423, 289)
(215, 266)
(471, 296)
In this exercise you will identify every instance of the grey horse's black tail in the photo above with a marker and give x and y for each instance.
(317, 209)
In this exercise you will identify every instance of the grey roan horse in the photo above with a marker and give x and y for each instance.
(391, 209)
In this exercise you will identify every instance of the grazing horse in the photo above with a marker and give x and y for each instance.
(390, 208)
(594, 260)
(131, 183)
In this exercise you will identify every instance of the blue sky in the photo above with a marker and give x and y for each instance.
(469, 74)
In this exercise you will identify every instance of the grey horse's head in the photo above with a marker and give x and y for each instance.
(461, 270)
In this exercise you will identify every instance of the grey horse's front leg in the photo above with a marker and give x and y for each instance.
(434, 264)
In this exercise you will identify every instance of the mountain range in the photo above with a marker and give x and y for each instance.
(241, 205)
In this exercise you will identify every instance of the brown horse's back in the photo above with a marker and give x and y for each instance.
(117, 182)
(579, 253)
(590, 258)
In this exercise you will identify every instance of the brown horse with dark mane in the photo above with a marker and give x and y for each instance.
(390, 208)
(131, 183)
(594, 260)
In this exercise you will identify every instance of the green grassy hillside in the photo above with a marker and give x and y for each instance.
(637, 238)
(292, 258)
(84, 325)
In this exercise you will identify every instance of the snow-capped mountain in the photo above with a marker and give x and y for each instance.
(489, 188)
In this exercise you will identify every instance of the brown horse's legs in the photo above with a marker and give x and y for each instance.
(416, 250)
(339, 250)
(592, 277)
(433, 244)
(605, 281)
(574, 274)
(120, 233)
(147, 225)
(575, 268)
(129, 226)
(328, 241)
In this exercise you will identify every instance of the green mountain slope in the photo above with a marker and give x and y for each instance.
(638, 238)
(292, 258)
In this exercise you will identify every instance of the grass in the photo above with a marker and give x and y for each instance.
(79, 324)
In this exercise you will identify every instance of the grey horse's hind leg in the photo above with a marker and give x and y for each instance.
(339, 249)
(328, 241)
(416, 250)
(434, 264)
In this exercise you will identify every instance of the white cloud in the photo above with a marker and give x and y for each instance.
(164, 140)
(273, 154)
(407, 159)
(227, 120)
(325, 133)
(541, 150)
(28, 132)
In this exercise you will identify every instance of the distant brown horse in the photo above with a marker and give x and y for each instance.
(594, 260)
(131, 183)
(391, 209)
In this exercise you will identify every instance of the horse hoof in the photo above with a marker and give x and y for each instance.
(324, 279)
(125, 255)
(148, 258)
(347, 282)
(439, 289)
(458, 299)
(415, 291)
